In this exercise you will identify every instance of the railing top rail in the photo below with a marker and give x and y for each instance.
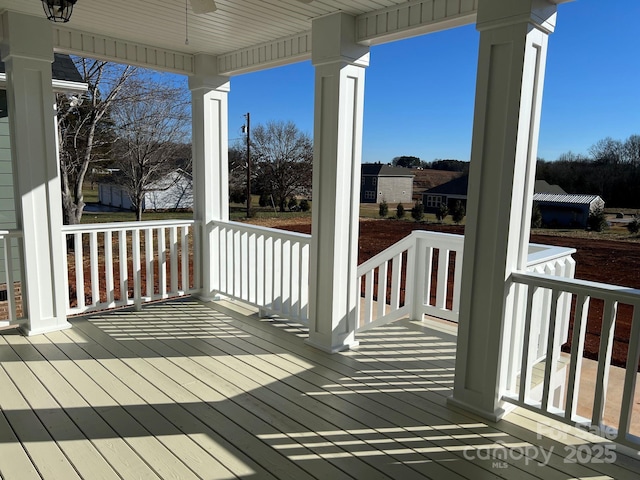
(99, 227)
(386, 254)
(452, 238)
(539, 253)
(265, 230)
(11, 233)
(579, 287)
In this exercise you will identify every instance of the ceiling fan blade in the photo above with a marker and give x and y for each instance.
(203, 6)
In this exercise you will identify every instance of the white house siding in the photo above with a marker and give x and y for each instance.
(114, 196)
(171, 193)
(174, 192)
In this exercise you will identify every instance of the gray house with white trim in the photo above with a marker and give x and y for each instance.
(384, 182)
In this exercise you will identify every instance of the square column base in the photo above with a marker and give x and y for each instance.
(492, 416)
(333, 349)
(25, 330)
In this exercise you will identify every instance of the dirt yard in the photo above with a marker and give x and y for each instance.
(606, 261)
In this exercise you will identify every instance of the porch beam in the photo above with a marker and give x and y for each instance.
(34, 154)
(339, 99)
(87, 44)
(209, 97)
(283, 51)
(511, 65)
(414, 18)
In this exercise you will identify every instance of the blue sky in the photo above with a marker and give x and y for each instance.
(419, 93)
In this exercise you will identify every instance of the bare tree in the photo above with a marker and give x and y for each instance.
(607, 151)
(283, 157)
(152, 128)
(237, 174)
(84, 132)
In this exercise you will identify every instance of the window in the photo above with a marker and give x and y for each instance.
(369, 195)
(363, 181)
(374, 181)
(434, 200)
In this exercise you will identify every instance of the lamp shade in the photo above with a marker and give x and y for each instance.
(58, 10)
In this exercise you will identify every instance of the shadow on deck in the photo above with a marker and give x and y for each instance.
(209, 391)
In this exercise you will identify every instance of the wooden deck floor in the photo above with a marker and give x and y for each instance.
(184, 390)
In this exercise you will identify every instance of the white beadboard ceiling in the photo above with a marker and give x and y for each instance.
(236, 24)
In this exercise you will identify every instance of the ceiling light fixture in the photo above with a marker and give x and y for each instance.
(58, 10)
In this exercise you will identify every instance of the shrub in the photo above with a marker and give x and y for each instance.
(442, 212)
(458, 213)
(304, 205)
(536, 217)
(417, 212)
(400, 211)
(237, 196)
(383, 210)
(293, 204)
(634, 225)
(597, 220)
(264, 200)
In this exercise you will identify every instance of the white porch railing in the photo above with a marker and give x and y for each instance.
(600, 305)
(264, 267)
(129, 263)
(11, 277)
(421, 274)
(412, 278)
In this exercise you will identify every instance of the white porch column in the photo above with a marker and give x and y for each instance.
(339, 97)
(513, 45)
(27, 51)
(209, 93)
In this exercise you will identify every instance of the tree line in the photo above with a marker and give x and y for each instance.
(451, 165)
(611, 170)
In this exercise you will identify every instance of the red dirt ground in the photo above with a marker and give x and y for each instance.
(605, 261)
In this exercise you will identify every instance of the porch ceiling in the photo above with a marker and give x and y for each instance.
(245, 35)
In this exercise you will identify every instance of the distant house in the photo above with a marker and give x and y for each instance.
(384, 182)
(174, 191)
(428, 178)
(447, 193)
(566, 210)
(558, 208)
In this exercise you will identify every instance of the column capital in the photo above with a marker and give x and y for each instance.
(18, 39)
(206, 75)
(333, 40)
(494, 14)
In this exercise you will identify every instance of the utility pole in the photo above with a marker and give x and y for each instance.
(248, 127)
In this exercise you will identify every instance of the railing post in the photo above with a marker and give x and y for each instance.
(415, 279)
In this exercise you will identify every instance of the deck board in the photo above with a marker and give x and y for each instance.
(209, 391)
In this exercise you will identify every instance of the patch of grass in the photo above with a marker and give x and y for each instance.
(90, 196)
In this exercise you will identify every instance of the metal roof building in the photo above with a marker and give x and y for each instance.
(566, 210)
